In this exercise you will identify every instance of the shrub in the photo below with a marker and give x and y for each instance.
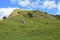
(18, 12)
(4, 17)
(46, 13)
(58, 16)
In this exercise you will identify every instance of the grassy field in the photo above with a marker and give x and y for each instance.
(45, 27)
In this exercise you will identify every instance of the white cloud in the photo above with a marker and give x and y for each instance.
(49, 4)
(58, 13)
(36, 4)
(58, 8)
(6, 11)
(24, 3)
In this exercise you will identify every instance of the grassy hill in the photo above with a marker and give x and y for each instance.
(40, 26)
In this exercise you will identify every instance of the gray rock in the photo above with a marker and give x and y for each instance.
(29, 15)
(21, 22)
(43, 16)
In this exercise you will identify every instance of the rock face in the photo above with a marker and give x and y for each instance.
(21, 22)
(29, 15)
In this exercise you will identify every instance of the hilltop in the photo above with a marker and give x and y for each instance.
(30, 25)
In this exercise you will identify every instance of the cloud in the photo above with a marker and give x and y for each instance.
(49, 4)
(6, 11)
(36, 4)
(24, 3)
(58, 8)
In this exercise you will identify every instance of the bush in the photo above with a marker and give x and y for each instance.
(4, 17)
(18, 12)
(58, 16)
(46, 13)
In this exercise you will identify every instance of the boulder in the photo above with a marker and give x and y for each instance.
(29, 15)
(43, 16)
(21, 22)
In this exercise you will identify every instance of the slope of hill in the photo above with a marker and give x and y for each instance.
(30, 25)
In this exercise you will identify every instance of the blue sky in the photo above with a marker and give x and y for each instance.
(50, 6)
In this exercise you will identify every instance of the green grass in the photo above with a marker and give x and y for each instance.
(41, 28)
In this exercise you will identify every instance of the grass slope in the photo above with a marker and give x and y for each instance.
(39, 27)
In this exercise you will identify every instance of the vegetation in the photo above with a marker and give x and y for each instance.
(39, 27)
(4, 17)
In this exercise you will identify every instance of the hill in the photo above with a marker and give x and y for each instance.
(30, 25)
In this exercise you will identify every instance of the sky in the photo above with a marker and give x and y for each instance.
(49, 6)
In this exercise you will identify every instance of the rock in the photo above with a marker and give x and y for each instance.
(22, 22)
(43, 16)
(29, 15)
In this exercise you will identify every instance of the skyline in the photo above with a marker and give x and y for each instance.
(49, 6)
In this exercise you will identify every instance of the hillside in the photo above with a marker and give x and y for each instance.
(30, 25)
